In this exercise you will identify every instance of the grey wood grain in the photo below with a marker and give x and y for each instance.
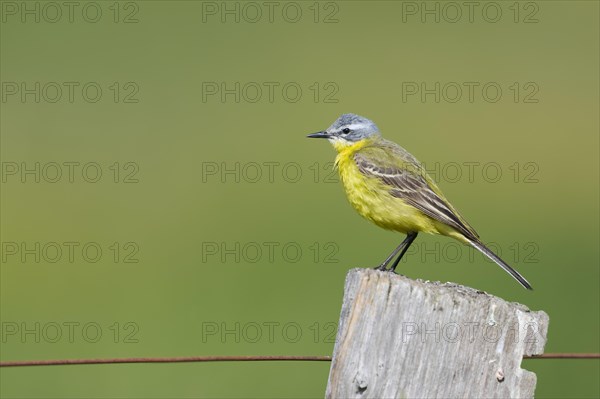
(401, 338)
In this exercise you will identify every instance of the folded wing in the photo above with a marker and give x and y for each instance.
(408, 180)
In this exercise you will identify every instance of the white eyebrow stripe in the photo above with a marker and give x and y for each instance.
(355, 126)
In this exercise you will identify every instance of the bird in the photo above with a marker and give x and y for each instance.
(389, 187)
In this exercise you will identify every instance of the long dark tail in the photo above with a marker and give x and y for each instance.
(487, 252)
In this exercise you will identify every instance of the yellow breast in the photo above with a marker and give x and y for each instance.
(371, 198)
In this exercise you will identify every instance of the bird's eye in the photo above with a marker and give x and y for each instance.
(346, 131)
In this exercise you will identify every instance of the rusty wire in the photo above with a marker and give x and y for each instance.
(196, 359)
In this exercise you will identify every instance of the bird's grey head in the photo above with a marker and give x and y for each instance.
(348, 129)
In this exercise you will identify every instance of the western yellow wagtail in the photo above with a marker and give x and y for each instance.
(389, 187)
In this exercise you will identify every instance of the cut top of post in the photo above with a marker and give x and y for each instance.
(402, 338)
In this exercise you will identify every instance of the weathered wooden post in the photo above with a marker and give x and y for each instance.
(401, 338)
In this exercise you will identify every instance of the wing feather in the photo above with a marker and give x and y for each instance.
(408, 180)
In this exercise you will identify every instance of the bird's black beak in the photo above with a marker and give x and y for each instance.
(319, 135)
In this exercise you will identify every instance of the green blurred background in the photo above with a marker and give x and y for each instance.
(159, 122)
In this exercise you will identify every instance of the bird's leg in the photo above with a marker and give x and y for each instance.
(403, 245)
(409, 240)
